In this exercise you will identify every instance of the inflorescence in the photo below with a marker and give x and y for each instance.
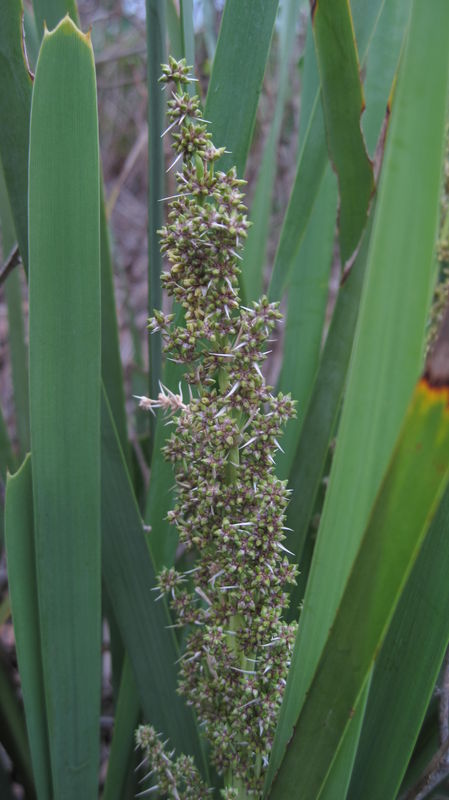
(230, 507)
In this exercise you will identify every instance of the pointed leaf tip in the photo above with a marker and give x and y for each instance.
(68, 27)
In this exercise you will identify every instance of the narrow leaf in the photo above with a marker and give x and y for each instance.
(306, 308)
(129, 575)
(174, 29)
(238, 66)
(256, 244)
(122, 746)
(343, 102)
(187, 33)
(12, 726)
(65, 399)
(313, 156)
(17, 347)
(155, 22)
(20, 550)
(15, 100)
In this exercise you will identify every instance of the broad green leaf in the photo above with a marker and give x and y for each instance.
(20, 551)
(410, 492)
(129, 575)
(237, 76)
(64, 261)
(343, 103)
(256, 243)
(18, 350)
(394, 306)
(15, 100)
(50, 12)
(406, 670)
(312, 158)
(155, 22)
(14, 734)
(306, 308)
(122, 746)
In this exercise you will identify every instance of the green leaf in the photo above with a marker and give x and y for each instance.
(406, 670)
(17, 347)
(313, 156)
(65, 399)
(306, 308)
(322, 411)
(129, 575)
(52, 11)
(187, 32)
(309, 174)
(381, 67)
(256, 243)
(410, 492)
(173, 29)
(339, 775)
(155, 22)
(15, 100)
(343, 102)
(320, 419)
(394, 306)
(12, 725)
(122, 746)
(20, 551)
(111, 366)
(237, 76)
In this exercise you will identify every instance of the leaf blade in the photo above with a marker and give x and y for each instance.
(64, 328)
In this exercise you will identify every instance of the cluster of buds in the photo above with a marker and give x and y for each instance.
(230, 508)
(177, 779)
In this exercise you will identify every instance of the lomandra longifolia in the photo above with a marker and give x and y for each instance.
(230, 509)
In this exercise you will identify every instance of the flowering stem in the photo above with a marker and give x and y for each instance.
(230, 508)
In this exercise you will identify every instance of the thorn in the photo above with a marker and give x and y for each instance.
(285, 549)
(250, 441)
(174, 196)
(174, 162)
(234, 389)
(147, 792)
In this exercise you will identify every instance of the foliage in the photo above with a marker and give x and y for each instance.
(367, 455)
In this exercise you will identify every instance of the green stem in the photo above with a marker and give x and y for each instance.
(231, 781)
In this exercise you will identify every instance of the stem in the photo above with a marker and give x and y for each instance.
(231, 780)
